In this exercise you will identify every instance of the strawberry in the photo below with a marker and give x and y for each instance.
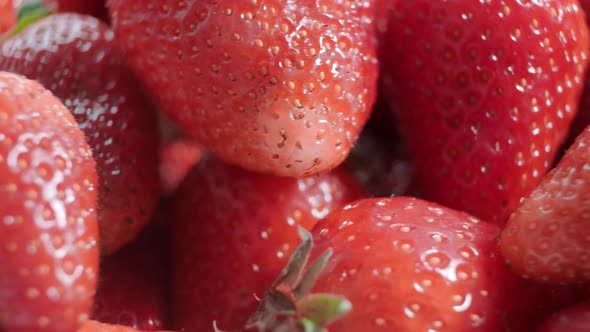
(403, 264)
(76, 58)
(94, 326)
(48, 222)
(176, 159)
(548, 237)
(7, 16)
(582, 119)
(409, 265)
(231, 233)
(277, 87)
(484, 93)
(574, 319)
(132, 286)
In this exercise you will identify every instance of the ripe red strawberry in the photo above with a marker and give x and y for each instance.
(7, 16)
(271, 86)
(484, 93)
(548, 237)
(582, 119)
(176, 160)
(574, 319)
(76, 58)
(48, 229)
(132, 285)
(232, 231)
(410, 265)
(94, 326)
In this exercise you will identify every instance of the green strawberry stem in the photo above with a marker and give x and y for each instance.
(287, 306)
(30, 13)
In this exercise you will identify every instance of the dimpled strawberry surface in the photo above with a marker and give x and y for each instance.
(294, 166)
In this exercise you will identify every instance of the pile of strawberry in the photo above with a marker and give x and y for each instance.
(294, 166)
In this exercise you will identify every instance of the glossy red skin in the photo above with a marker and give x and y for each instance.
(408, 265)
(582, 119)
(573, 319)
(176, 160)
(548, 237)
(75, 57)
(270, 86)
(48, 223)
(7, 16)
(94, 326)
(133, 284)
(232, 232)
(479, 144)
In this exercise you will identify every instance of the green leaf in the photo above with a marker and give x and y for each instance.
(323, 308)
(30, 13)
(312, 274)
(274, 304)
(292, 272)
(286, 307)
(311, 326)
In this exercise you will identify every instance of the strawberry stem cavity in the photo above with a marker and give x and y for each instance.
(30, 13)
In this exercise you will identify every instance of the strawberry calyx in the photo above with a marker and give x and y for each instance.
(288, 306)
(30, 13)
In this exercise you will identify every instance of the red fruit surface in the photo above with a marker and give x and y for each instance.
(7, 16)
(573, 319)
(94, 326)
(232, 231)
(133, 284)
(176, 160)
(548, 237)
(582, 119)
(484, 93)
(585, 6)
(409, 265)
(48, 223)
(273, 86)
(75, 57)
